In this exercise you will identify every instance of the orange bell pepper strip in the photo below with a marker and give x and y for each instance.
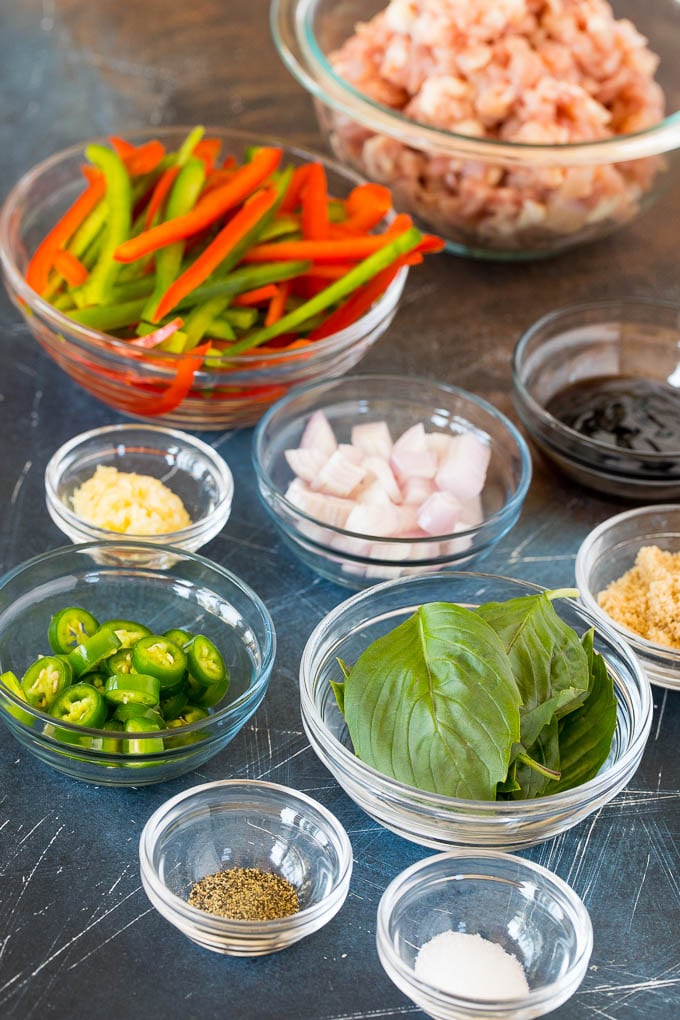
(206, 211)
(42, 259)
(159, 194)
(236, 229)
(70, 267)
(314, 200)
(277, 303)
(256, 296)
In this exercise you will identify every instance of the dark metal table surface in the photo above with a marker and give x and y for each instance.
(77, 935)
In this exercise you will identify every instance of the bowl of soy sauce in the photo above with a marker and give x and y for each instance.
(597, 387)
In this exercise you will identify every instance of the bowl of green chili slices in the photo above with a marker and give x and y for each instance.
(464, 709)
(195, 275)
(122, 673)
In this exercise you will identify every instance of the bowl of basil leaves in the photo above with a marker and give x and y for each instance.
(466, 709)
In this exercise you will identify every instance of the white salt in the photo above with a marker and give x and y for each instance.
(471, 967)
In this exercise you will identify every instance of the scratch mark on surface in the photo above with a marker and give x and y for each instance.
(24, 887)
(95, 949)
(20, 481)
(637, 897)
(662, 708)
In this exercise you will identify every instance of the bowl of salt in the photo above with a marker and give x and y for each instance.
(483, 935)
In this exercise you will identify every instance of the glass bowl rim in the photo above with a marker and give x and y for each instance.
(507, 510)
(616, 308)
(164, 363)
(218, 465)
(409, 880)
(291, 27)
(484, 811)
(252, 692)
(162, 817)
(643, 646)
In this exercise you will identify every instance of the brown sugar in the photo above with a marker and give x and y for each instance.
(646, 599)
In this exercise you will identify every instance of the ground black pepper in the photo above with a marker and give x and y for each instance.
(245, 894)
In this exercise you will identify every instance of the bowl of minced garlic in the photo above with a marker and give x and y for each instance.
(628, 574)
(151, 484)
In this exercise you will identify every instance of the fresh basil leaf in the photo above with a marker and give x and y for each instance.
(547, 658)
(434, 703)
(586, 734)
(546, 752)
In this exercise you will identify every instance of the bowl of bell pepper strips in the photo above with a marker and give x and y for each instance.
(120, 673)
(196, 275)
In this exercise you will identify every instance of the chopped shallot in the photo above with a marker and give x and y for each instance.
(418, 487)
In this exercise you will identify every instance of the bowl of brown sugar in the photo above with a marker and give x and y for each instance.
(244, 867)
(628, 573)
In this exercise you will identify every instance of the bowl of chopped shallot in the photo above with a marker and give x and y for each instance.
(371, 477)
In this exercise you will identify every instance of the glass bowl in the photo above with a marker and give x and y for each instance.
(232, 392)
(356, 560)
(431, 819)
(607, 553)
(191, 594)
(245, 824)
(190, 468)
(630, 339)
(516, 904)
(529, 174)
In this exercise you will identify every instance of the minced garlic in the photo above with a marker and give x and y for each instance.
(128, 503)
(646, 599)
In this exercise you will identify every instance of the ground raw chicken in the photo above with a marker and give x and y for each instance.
(531, 71)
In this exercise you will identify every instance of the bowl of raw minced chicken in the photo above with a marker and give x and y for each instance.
(513, 129)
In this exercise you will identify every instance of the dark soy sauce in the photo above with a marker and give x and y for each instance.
(632, 414)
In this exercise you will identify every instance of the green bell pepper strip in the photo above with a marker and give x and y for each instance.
(139, 688)
(107, 318)
(44, 680)
(97, 288)
(69, 627)
(205, 661)
(158, 656)
(244, 278)
(237, 318)
(183, 197)
(93, 650)
(82, 704)
(199, 320)
(339, 289)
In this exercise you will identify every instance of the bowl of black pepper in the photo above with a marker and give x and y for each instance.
(243, 867)
(597, 387)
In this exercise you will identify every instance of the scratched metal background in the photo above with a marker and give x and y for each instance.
(77, 934)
